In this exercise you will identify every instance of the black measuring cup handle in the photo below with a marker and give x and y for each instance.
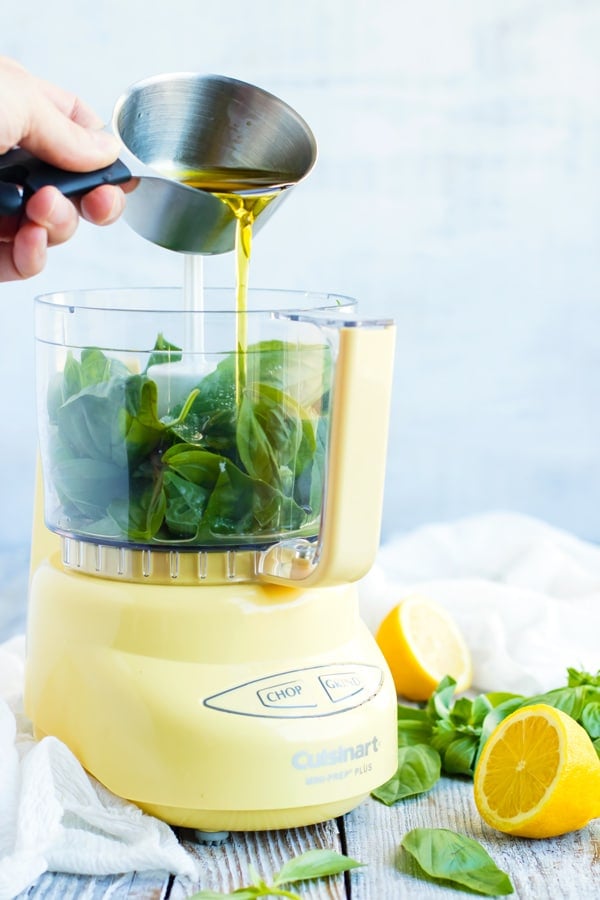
(22, 174)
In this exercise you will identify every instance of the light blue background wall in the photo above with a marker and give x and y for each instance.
(458, 189)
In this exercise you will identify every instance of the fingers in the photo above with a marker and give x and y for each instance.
(103, 205)
(70, 105)
(59, 216)
(56, 126)
(51, 123)
(26, 255)
(52, 219)
(49, 209)
(65, 144)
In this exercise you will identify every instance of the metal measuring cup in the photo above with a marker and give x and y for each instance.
(178, 123)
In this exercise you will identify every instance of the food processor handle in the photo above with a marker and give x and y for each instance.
(351, 522)
(22, 174)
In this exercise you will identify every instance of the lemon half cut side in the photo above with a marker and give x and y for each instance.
(538, 775)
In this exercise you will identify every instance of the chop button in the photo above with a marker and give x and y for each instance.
(286, 695)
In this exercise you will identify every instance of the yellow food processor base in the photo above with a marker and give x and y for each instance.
(215, 706)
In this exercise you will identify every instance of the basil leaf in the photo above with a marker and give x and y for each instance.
(439, 704)
(315, 864)
(597, 746)
(576, 678)
(459, 756)
(447, 856)
(185, 505)
(271, 433)
(212, 417)
(590, 719)
(414, 726)
(194, 464)
(163, 352)
(87, 486)
(140, 516)
(419, 768)
(496, 715)
(568, 700)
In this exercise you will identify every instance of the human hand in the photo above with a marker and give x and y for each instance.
(57, 127)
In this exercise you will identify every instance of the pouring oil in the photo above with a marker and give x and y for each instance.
(247, 192)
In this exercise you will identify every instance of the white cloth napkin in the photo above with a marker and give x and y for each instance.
(53, 816)
(525, 595)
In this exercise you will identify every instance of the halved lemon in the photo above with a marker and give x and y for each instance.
(421, 644)
(538, 774)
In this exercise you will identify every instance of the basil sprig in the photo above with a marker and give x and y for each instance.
(446, 734)
(447, 856)
(308, 866)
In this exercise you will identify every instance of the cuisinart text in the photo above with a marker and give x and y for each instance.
(304, 759)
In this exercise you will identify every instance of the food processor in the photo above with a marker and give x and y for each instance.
(209, 493)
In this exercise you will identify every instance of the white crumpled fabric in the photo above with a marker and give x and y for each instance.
(53, 816)
(525, 595)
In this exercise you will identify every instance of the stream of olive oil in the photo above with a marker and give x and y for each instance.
(247, 192)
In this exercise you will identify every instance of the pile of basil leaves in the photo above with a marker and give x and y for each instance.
(218, 469)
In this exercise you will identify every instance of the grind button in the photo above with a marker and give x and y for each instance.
(340, 686)
(286, 695)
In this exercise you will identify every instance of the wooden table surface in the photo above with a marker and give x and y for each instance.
(565, 867)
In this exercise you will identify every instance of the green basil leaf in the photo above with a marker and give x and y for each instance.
(414, 726)
(88, 485)
(459, 756)
(195, 464)
(447, 856)
(140, 518)
(314, 864)
(270, 433)
(496, 715)
(419, 768)
(414, 713)
(301, 370)
(576, 678)
(439, 704)
(142, 426)
(461, 711)
(96, 367)
(568, 700)
(163, 352)
(185, 505)
(590, 719)
(242, 505)
(72, 377)
(443, 732)
(90, 422)
(597, 746)
(212, 417)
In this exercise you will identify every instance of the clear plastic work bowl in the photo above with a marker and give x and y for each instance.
(165, 427)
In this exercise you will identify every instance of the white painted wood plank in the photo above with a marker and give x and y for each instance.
(567, 867)
(225, 867)
(133, 886)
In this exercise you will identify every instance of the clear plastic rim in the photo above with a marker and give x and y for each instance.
(283, 300)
